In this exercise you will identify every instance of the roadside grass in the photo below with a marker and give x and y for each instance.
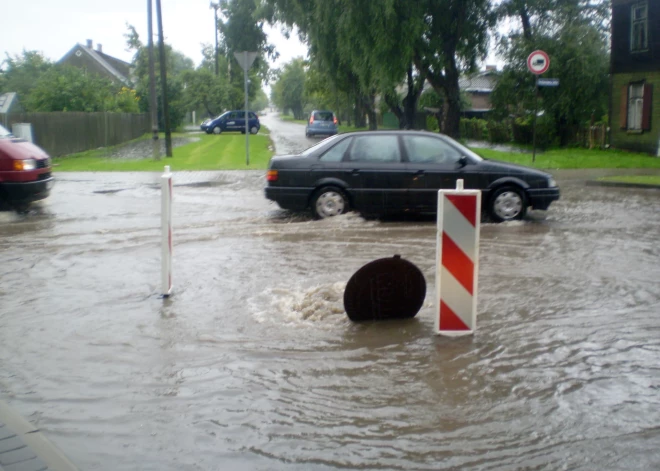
(635, 179)
(211, 152)
(574, 158)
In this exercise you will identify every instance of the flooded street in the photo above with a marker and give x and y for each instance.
(252, 364)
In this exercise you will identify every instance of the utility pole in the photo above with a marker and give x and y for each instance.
(163, 81)
(152, 85)
(215, 6)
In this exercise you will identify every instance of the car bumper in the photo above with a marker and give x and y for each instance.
(542, 197)
(295, 199)
(322, 131)
(27, 192)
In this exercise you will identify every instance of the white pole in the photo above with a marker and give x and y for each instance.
(166, 232)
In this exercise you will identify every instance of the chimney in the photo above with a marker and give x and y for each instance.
(99, 47)
(90, 44)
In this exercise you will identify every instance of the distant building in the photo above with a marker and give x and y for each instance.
(9, 104)
(635, 72)
(96, 62)
(478, 89)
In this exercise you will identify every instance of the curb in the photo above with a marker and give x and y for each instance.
(23, 447)
(622, 184)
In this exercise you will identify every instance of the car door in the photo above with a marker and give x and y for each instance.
(376, 173)
(434, 164)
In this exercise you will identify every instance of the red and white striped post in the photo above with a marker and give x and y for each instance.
(457, 260)
(166, 231)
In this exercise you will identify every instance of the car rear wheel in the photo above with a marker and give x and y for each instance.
(328, 202)
(253, 130)
(217, 130)
(508, 203)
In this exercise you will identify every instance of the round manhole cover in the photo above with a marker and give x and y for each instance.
(387, 288)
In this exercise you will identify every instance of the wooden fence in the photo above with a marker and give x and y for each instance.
(63, 133)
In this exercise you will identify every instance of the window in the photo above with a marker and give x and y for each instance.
(423, 149)
(635, 106)
(375, 149)
(639, 31)
(337, 152)
(636, 100)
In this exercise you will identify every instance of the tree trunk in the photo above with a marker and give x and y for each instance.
(415, 88)
(393, 103)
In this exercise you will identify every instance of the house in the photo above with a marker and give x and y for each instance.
(635, 73)
(96, 62)
(477, 88)
(9, 104)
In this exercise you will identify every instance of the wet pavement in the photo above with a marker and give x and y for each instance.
(252, 364)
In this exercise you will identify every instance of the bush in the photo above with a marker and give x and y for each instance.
(499, 131)
(474, 128)
(546, 135)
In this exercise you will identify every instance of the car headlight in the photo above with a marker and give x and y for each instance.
(27, 164)
(552, 183)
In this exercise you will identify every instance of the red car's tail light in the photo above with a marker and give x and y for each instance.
(271, 175)
(334, 119)
(311, 120)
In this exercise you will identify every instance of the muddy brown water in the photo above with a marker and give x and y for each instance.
(252, 364)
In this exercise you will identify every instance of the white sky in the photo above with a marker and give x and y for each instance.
(54, 27)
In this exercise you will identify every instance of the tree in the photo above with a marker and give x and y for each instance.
(573, 33)
(176, 64)
(289, 90)
(21, 73)
(204, 90)
(375, 46)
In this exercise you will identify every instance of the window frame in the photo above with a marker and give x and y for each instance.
(643, 44)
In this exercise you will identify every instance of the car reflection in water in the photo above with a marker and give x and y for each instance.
(381, 172)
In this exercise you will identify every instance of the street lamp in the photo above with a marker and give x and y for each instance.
(215, 7)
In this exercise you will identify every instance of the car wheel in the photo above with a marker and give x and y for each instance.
(217, 130)
(508, 203)
(253, 130)
(329, 201)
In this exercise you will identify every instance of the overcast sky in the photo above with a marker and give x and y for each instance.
(54, 27)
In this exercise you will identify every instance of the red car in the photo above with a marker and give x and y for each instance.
(25, 172)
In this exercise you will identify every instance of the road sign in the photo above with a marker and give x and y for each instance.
(245, 58)
(457, 260)
(548, 82)
(538, 62)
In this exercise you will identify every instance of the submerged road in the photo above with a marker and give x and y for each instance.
(252, 364)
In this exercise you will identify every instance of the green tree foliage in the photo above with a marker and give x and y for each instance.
(66, 88)
(260, 101)
(21, 73)
(176, 65)
(371, 47)
(288, 92)
(573, 33)
(205, 91)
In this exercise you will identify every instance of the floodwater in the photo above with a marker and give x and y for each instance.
(252, 364)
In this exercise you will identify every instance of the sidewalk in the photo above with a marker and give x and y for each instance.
(24, 448)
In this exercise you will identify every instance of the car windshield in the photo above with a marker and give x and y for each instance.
(323, 115)
(4, 133)
(324, 142)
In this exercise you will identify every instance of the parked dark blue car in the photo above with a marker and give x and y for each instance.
(231, 121)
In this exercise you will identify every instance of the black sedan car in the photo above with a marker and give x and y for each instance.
(379, 172)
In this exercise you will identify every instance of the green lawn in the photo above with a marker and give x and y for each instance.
(575, 158)
(222, 152)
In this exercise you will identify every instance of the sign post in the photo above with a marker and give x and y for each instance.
(245, 59)
(538, 62)
(457, 261)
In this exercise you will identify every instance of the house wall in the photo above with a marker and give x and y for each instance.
(646, 141)
(623, 60)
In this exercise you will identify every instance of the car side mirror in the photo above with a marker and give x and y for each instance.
(463, 161)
